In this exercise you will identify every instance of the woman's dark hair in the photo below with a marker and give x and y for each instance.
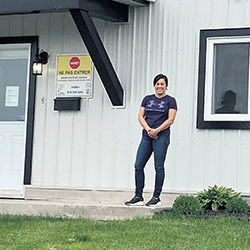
(158, 77)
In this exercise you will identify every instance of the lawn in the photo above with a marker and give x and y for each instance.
(161, 232)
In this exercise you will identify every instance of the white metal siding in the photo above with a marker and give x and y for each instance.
(96, 147)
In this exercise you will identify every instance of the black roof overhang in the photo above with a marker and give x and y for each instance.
(82, 12)
(105, 9)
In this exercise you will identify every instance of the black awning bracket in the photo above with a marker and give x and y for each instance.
(97, 51)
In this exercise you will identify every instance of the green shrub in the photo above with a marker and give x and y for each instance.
(237, 205)
(187, 204)
(216, 197)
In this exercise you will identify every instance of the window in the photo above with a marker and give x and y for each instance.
(223, 88)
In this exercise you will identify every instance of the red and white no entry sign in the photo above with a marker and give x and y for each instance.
(74, 62)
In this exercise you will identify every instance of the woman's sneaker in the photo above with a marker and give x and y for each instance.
(135, 201)
(154, 202)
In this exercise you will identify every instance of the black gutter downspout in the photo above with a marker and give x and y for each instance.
(95, 47)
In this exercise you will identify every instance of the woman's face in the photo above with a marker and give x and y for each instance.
(160, 87)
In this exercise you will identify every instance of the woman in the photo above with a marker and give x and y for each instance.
(156, 114)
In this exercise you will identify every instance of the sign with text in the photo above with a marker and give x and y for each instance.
(11, 96)
(74, 76)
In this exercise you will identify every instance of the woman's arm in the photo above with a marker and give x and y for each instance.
(142, 120)
(171, 117)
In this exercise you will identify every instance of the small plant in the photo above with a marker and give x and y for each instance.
(187, 204)
(237, 205)
(216, 197)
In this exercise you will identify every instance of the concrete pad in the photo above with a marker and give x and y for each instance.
(97, 205)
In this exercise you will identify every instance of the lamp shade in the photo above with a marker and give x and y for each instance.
(37, 68)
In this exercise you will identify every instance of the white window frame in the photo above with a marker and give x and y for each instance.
(208, 116)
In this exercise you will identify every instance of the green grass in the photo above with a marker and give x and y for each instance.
(161, 232)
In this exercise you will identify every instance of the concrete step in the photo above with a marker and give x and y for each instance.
(89, 204)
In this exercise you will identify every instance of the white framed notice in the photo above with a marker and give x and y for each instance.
(11, 96)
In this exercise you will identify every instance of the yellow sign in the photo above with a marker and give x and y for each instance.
(74, 75)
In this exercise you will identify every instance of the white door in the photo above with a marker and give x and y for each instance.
(14, 71)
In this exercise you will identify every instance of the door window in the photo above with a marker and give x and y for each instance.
(13, 87)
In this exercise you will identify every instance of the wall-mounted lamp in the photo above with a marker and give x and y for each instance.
(41, 59)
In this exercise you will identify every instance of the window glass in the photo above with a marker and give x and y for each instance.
(230, 78)
(13, 89)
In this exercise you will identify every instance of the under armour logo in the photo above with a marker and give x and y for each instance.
(161, 104)
(152, 103)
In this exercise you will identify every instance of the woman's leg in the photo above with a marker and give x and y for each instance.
(143, 154)
(160, 147)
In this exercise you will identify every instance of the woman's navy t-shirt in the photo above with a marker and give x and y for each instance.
(156, 111)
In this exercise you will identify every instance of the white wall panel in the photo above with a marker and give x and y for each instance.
(243, 163)
(42, 100)
(52, 119)
(246, 11)
(29, 25)
(96, 146)
(5, 26)
(220, 13)
(236, 13)
(1, 153)
(16, 25)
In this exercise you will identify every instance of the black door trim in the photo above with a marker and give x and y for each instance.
(33, 40)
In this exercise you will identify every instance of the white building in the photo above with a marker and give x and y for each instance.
(95, 147)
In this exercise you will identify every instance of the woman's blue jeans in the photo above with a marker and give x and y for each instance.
(146, 148)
